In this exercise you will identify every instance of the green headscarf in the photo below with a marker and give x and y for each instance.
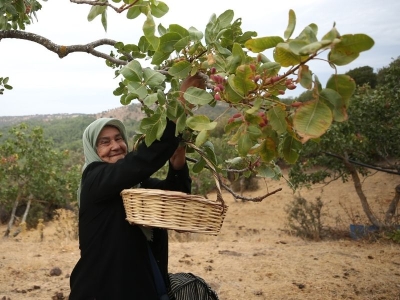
(89, 140)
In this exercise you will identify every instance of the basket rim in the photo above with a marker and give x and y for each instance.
(173, 195)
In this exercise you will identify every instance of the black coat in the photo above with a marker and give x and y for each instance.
(114, 261)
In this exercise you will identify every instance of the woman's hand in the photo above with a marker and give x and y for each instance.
(178, 159)
(195, 81)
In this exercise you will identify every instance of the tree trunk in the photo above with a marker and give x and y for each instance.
(361, 195)
(28, 205)
(393, 205)
(11, 222)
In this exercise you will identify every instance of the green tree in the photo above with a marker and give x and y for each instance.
(363, 75)
(352, 148)
(236, 71)
(33, 174)
(388, 76)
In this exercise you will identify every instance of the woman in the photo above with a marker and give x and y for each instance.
(115, 262)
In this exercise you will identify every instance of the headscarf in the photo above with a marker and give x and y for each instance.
(91, 134)
(89, 140)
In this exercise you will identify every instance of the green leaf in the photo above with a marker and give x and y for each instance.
(133, 12)
(150, 99)
(243, 80)
(199, 165)
(267, 150)
(95, 11)
(149, 29)
(291, 25)
(277, 118)
(260, 44)
(20, 6)
(195, 35)
(349, 48)
(231, 92)
(180, 69)
(168, 41)
(153, 78)
(183, 32)
(132, 71)
(296, 45)
(159, 57)
(244, 144)
(238, 52)
(200, 122)
(138, 88)
(256, 106)
(254, 132)
(331, 35)
(269, 69)
(309, 33)
(153, 127)
(290, 149)
(225, 18)
(266, 171)
(285, 56)
(312, 119)
(335, 101)
(181, 44)
(311, 48)
(180, 122)
(159, 10)
(202, 137)
(305, 77)
(104, 20)
(209, 150)
(344, 85)
(197, 96)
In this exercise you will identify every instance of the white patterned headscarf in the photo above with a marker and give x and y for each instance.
(89, 140)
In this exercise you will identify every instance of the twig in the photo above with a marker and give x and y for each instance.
(237, 196)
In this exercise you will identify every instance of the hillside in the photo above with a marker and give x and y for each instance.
(125, 112)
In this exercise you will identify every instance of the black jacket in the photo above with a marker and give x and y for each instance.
(114, 261)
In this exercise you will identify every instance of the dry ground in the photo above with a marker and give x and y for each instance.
(254, 257)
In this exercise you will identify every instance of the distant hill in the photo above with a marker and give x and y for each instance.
(123, 113)
(66, 129)
(126, 113)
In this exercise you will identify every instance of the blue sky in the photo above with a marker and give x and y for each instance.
(81, 83)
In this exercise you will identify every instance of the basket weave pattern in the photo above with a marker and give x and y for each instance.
(176, 210)
(173, 210)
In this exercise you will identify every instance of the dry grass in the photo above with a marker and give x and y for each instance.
(254, 256)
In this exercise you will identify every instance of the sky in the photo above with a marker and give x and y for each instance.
(80, 83)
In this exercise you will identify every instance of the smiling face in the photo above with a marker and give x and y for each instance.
(110, 145)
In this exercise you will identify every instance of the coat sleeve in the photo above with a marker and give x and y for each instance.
(176, 180)
(102, 180)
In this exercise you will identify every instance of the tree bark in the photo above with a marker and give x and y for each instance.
(28, 206)
(393, 205)
(11, 222)
(364, 202)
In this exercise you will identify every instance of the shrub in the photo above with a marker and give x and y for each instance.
(304, 218)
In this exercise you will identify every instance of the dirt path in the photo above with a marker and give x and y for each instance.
(252, 258)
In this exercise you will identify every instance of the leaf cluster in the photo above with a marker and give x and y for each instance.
(31, 169)
(238, 74)
(15, 14)
(366, 137)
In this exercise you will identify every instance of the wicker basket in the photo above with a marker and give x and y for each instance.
(175, 210)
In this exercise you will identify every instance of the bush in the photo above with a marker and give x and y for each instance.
(304, 218)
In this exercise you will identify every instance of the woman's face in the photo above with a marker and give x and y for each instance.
(110, 145)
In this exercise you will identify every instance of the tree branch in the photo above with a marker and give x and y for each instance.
(105, 3)
(60, 50)
(254, 199)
